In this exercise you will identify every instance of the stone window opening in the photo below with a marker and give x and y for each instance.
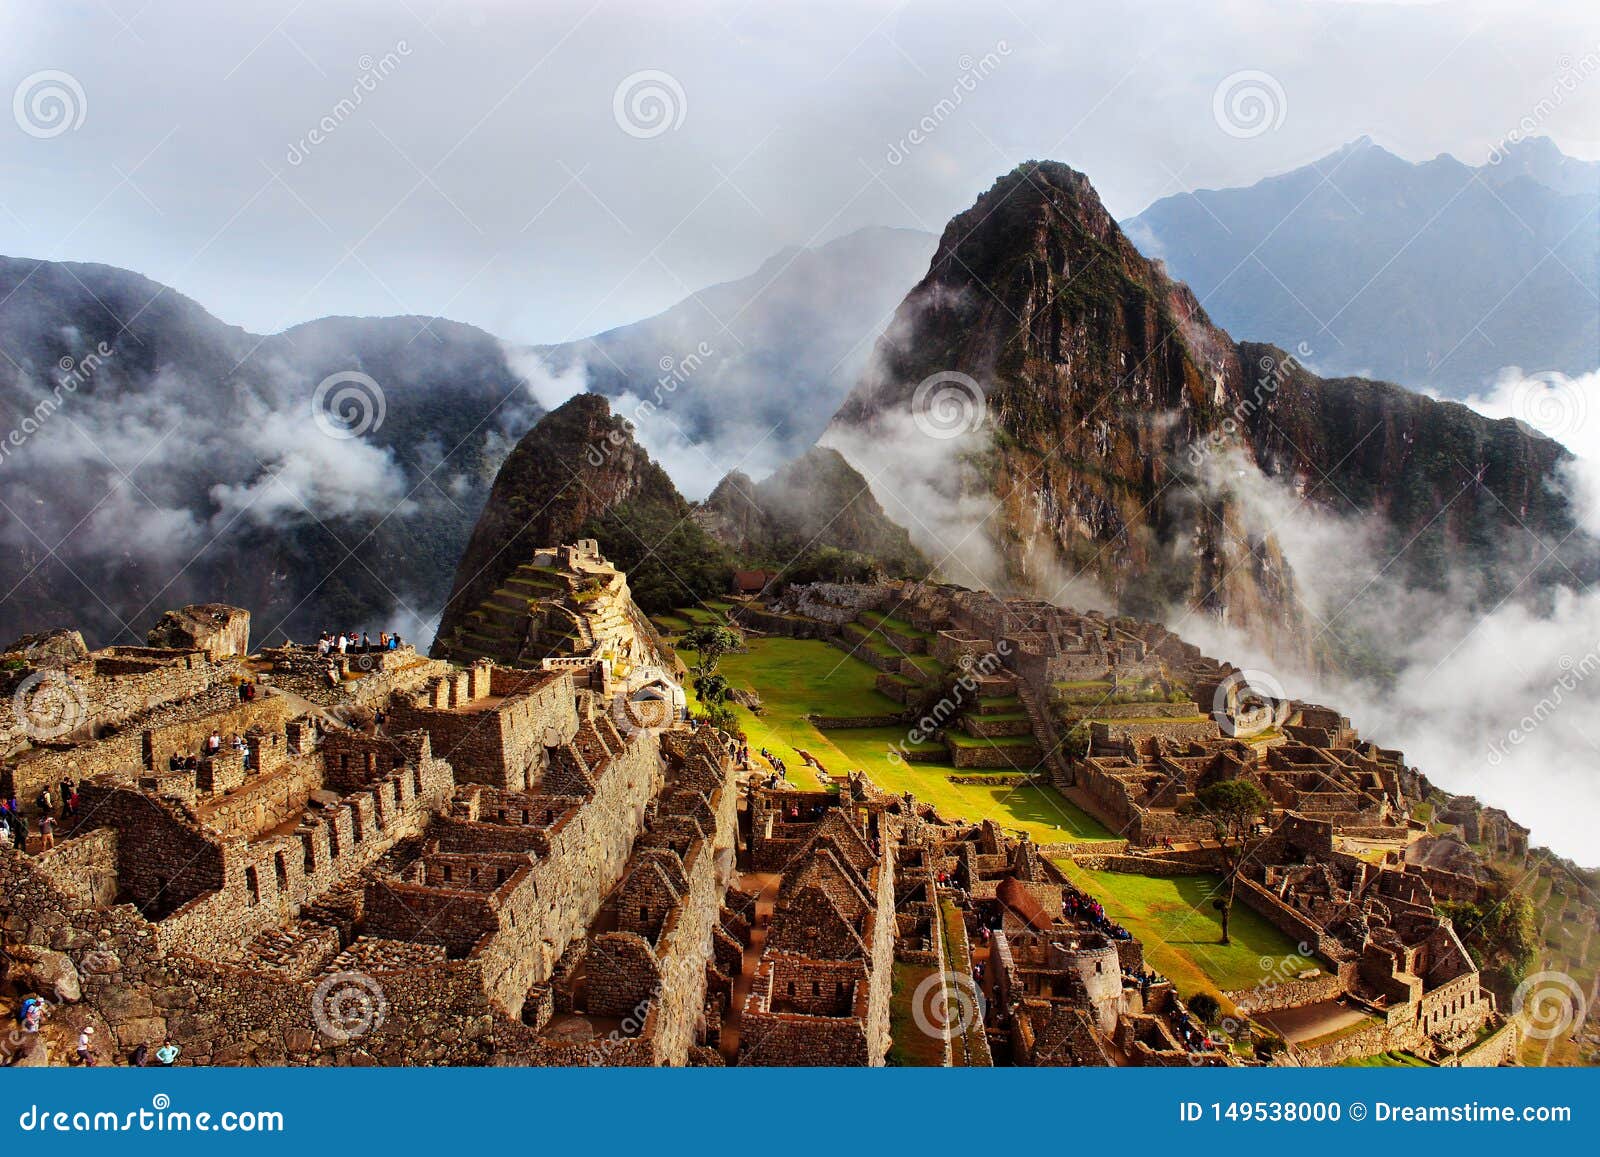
(311, 854)
(280, 867)
(252, 887)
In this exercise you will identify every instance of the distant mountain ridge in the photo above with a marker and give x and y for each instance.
(1435, 275)
(187, 462)
(753, 369)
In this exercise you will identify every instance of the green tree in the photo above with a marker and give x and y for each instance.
(1235, 805)
(709, 643)
(712, 689)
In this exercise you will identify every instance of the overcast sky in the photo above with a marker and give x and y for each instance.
(493, 170)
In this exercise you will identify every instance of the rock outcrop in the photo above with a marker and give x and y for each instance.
(819, 499)
(1116, 420)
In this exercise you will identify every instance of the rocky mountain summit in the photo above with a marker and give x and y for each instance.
(1112, 430)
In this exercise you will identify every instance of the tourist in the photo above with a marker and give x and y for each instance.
(214, 744)
(5, 831)
(140, 1057)
(166, 1054)
(344, 643)
(45, 802)
(31, 1013)
(72, 804)
(366, 643)
(323, 644)
(394, 642)
(86, 1046)
(47, 832)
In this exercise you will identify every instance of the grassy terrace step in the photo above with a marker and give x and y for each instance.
(797, 677)
(890, 623)
(962, 739)
(999, 704)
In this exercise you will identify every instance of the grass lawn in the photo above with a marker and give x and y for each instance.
(1181, 931)
(910, 1047)
(1389, 1060)
(796, 677)
(670, 624)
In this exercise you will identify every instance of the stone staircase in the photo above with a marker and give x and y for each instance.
(1044, 733)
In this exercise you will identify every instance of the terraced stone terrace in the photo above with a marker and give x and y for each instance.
(796, 678)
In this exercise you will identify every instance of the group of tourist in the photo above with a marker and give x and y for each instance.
(214, 745)
(14, 822)
(347, 642)
(1076, 905)
(777, 765)
(30, 1019)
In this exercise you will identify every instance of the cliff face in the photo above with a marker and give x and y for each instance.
(817, 500)
(1112, 411)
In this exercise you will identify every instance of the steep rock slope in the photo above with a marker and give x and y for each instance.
(580, 474)
(1110, 421)
(818, 500)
